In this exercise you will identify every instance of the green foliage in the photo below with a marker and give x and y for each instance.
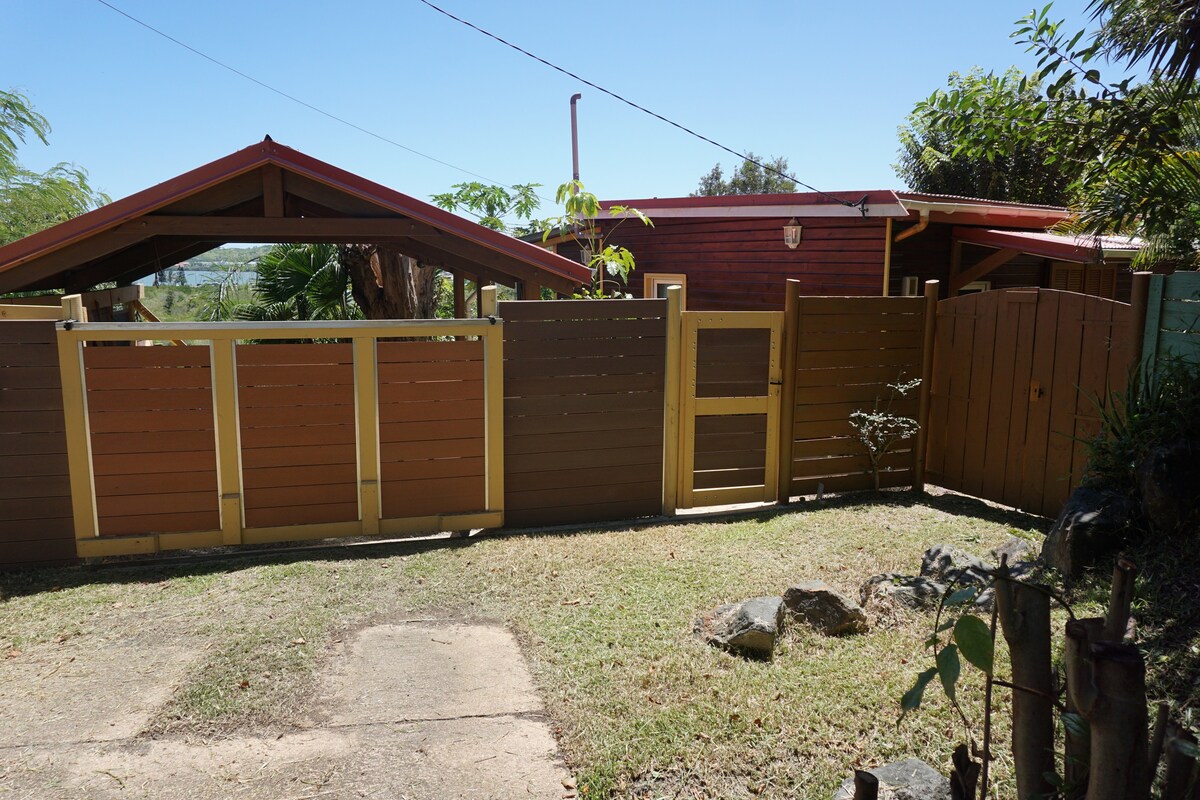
(1160, 405)
(1132, 147)
(973, 637)
(293, 282)
(32, 201)
(581, 209)
(496, 207)
(880, 430)
(1029, 171)
(749, 178)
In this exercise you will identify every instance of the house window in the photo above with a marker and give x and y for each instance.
(654, 284)
(1095, 279)
(910, 286)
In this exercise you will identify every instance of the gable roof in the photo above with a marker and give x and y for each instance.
(267, 193)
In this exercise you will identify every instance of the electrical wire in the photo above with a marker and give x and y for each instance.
(859, 204)
(297, 100)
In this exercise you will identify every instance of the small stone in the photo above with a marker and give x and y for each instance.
(946, 563)
(891, 589)
(826, 609)
(749, 627)
(911, 779)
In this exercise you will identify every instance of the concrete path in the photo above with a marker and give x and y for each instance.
(408, 711)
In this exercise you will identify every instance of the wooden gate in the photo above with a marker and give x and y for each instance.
(1016, 378)
(732, 373)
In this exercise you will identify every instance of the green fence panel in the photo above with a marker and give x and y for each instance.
(1173, 318)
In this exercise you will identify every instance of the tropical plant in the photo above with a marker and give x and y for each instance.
(31, 201)
(611, 264)
(502, 208)
(293, 282)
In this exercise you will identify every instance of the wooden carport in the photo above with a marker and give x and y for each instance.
(271, 193)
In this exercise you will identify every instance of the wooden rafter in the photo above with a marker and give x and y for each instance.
(997, 259)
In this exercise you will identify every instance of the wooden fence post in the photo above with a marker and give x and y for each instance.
(76, 423)
(923, 391)
(487, 301)
(493, 392)
(223, 375)
(673, 377)
(787, 399)
(366, 399)
(1139, 297)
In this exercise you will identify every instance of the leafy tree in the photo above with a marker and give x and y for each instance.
(496, 207)
(294, 282)
(749, 178)
(1029, 172)
(581, 210)
(31, 201)
(1135, 144)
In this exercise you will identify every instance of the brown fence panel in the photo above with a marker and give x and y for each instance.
(150, 410)
(35, 496)
(848, 350)
(431, 428)
(1017, 375)
(583, 410)
(296, 410)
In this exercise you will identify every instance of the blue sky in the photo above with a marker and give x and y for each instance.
(824, 84)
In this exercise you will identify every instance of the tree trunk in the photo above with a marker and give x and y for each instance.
(1077, 749)
(389, 285)
(1024, 613)
(1107, 683)
(1180, 765)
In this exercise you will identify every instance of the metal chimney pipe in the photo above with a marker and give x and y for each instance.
(574, 141)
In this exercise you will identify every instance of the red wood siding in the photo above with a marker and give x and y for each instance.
(742, 264)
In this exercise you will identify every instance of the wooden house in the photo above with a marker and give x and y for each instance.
(730, 252)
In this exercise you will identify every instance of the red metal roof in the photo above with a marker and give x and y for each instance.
(1061, 247)
(268, 152)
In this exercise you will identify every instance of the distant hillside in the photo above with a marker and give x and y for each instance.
(227, 255)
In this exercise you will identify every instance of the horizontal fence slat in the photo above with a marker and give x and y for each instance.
(906, 357)
(156, 483)
(571, 330)
(582, 309)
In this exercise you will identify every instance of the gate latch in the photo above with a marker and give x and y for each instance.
(1035, 391)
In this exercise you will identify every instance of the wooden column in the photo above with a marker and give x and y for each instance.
(460, 296)
(923, 391)
(530, 291)
(487, 301)
(671, 405)
(493, 392)
(787, 401)
(76, 425)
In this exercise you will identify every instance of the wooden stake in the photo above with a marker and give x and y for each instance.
(866, 785)
(1180, 765)
(1120, 600)
(1158, 736)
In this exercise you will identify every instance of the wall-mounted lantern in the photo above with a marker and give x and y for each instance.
(791, 233)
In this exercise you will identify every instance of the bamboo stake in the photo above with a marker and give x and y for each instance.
(1158, 736)
(1120, 601)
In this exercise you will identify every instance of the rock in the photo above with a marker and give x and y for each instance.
(892, 589)
(1093, 523)
(911, 779)
(1017, 549)
(826, 609)
(1167, 480)
(749, 627)
(946, 563)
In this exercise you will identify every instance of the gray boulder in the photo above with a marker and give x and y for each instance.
(1092, 524)
(749, 627)
(1017, 549)
(911, 779)
(826, 609)
(891, 590)
(946, 563)
(1167, 480)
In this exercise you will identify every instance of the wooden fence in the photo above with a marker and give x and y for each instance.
(584, 395)
(844, 355)
(1172, 318)
(230, 442)
(547, 413)
(1017, 375)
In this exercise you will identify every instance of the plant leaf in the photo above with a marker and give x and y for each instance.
(949, 668)
(974, 639)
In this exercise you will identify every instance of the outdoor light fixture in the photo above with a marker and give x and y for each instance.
(791, 233)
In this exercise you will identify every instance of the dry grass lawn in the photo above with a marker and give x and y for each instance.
(640, 707)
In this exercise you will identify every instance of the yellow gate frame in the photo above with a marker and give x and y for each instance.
(692, 406)
(221, 337)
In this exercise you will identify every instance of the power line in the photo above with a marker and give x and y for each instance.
(643, 109)
(297, 100)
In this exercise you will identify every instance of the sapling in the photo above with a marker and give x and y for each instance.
(880, 430)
